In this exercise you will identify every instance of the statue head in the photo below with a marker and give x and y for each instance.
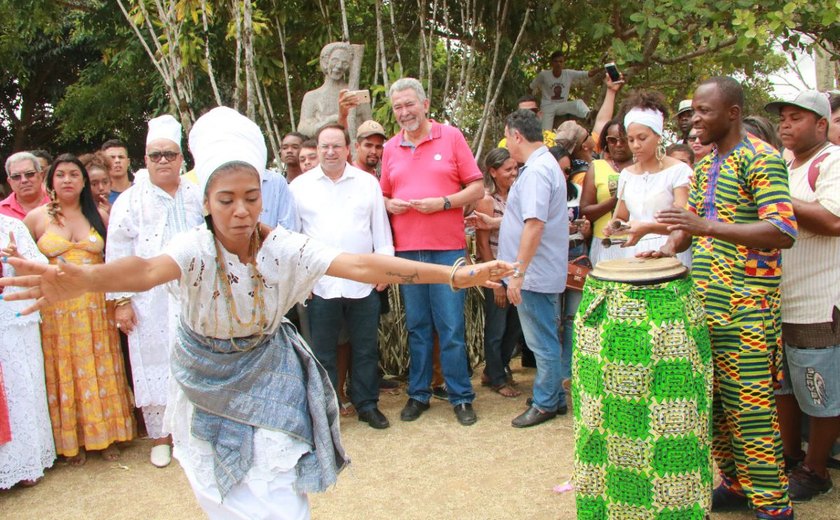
(336, 58)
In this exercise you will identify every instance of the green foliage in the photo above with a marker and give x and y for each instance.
(78, 73)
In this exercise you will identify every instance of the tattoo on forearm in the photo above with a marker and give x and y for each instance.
(405, 278)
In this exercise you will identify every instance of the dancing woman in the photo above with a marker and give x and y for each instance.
(236, 281)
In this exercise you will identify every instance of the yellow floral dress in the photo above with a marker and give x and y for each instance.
(87, 390)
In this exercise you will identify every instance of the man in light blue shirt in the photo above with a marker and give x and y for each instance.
(535, 233)
(278, 204)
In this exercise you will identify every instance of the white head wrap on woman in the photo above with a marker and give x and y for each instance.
(652, 119)
(223, 135)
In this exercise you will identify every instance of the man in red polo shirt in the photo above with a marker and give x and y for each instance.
(428, 175)
(27, 181)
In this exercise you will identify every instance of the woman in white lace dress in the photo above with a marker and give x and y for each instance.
(254, 418)
(31, 450)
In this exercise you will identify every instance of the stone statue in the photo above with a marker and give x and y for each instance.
(320, 106)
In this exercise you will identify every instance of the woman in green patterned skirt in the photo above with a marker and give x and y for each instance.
(642, 386)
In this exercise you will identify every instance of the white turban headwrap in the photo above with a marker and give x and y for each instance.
(223, 135)
(652, 119)
(164, 127)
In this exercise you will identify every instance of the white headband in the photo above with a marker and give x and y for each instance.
(164, 127)
(652, 119)
(223, 135)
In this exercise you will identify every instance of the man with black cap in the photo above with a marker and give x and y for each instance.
(810, 294)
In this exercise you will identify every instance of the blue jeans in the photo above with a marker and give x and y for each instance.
(361, 315)
(502, 332)
(570, 303)
(539, 313)
(429, 308)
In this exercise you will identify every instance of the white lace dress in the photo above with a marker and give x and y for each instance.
(290, 263)
(143, 220)
(31, 448)
(646, 193)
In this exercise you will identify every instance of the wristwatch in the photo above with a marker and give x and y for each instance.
(517, 273)
(446, 203)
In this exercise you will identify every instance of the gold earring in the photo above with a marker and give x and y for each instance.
(660, 151)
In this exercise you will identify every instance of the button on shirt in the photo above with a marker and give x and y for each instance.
(349, 215)
(539, 192)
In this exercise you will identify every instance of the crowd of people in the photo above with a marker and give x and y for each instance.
(158, 289)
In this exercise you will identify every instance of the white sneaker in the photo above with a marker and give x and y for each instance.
(161, 455)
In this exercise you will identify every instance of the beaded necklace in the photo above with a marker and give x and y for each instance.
(224, 286)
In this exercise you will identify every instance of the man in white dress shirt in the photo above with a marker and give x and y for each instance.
(143, 220)
(342, 206)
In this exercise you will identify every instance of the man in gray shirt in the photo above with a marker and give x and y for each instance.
(535, 233)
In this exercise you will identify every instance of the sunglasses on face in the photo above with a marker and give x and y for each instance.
(29, 175)
(692, 138)
(155, 157)
(612, 141)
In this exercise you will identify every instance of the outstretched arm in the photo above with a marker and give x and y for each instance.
(605, 113)
(52, 283)
(376, 269)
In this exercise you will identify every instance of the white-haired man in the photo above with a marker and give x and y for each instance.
(428, 175)
(26, 178)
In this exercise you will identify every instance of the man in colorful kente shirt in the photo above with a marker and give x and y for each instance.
(740, 216)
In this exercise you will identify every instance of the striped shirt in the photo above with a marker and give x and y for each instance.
(748, 185)
(811, 280)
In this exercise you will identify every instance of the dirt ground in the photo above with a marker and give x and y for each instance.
(432, 468)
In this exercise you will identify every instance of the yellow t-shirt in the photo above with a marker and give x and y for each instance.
(548, 139)
(604, 176)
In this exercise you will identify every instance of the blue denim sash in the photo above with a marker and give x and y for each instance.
(271, 382)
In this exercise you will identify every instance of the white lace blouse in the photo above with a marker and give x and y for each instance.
(290, 264)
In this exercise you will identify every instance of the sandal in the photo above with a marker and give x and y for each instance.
(505, 390)
(346, 409)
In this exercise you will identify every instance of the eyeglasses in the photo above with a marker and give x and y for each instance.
(155, 157)
(29, 175)
(614, 140)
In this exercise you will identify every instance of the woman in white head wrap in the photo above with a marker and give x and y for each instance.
(236, 280)
(652, 183)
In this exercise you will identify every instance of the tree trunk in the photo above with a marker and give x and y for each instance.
(344, 28)
(282, 37)
(207, 57)
(380, 46)
(502, 78)
(501, 14)
(250, 72)
(237, 65)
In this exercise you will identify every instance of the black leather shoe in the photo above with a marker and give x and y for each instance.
(412, 410)
(562, 410)
(532, 417)
(465, 414)
(725, 500)
(374, 418)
